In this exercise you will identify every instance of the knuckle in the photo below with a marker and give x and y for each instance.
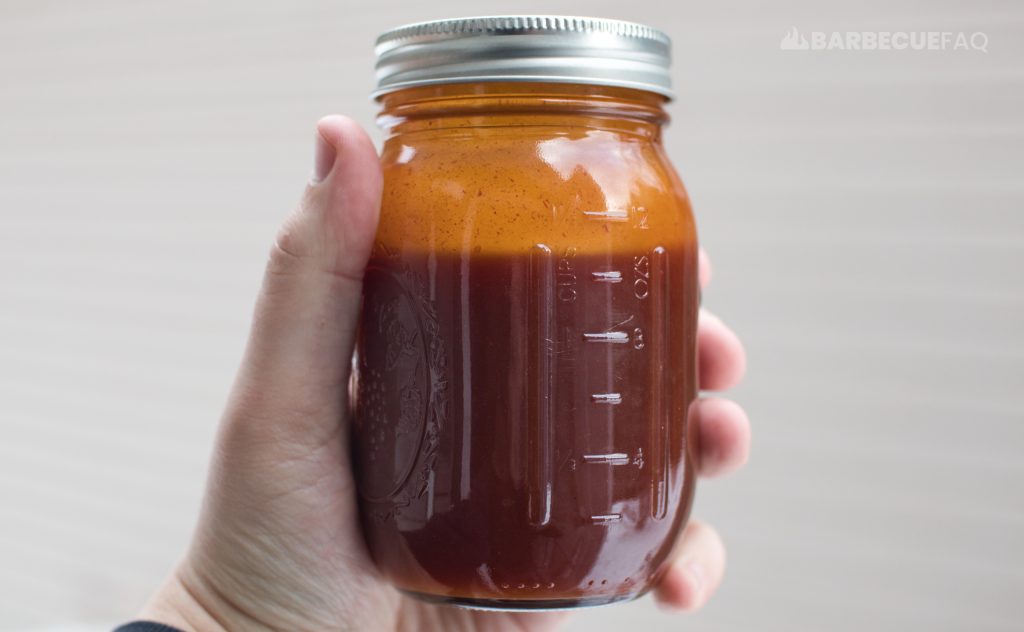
(290, 251)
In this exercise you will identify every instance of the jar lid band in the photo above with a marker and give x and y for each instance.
(553, 49)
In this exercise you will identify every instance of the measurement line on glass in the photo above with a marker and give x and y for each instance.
(611, 337)
(610, 276)
(611, 215)
(614, 458)
(605, 518)
(611, 399)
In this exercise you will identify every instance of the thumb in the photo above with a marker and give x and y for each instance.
(291, 387)
(277, 528)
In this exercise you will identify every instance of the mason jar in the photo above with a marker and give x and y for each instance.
(527, 351)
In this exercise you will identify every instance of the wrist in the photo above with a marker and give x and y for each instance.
(179, 606)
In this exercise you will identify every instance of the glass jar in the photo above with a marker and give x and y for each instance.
(527, 352)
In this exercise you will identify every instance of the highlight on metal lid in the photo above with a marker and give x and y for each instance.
(533, 48)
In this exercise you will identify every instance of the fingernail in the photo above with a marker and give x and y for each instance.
(697, 575)
(323, 160)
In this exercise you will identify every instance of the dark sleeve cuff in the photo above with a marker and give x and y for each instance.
(146, 626)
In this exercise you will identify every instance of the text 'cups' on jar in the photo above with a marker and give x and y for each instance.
(527, 349)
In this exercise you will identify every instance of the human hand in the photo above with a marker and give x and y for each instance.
(278, 545)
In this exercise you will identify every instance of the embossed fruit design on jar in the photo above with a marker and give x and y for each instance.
(527, 351)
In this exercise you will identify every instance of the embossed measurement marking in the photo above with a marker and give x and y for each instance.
(611, 276)
(606, 398)
(615, 458)
(660, 387)
(611, 215)
(612, 337)
(540, 431)
(606, 518)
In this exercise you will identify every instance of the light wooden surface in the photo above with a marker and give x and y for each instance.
(864, 211)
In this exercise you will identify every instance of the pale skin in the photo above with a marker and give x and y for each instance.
(278, 545)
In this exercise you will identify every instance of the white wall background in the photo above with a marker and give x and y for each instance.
(864, 210)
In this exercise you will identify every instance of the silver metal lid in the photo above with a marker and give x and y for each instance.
(543, 48)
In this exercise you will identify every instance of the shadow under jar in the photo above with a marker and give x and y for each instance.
(527, 349)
